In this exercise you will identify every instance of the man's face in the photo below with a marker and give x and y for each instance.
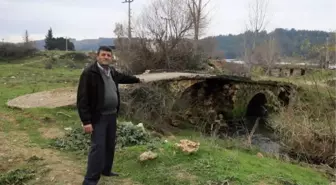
(104, 57)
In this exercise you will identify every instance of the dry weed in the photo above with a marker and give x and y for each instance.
(307, 135)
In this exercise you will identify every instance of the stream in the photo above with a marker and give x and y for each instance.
(266, 144)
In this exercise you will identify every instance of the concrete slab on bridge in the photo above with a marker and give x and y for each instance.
(169, 75)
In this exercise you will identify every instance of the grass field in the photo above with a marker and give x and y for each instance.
(27, 157)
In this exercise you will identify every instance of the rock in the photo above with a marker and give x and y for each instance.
(171, 137)
(260, 155)
(156, 134)
(141, 126)
(68, 128)
(333, 183)
(147, 156)
(146, 72)
(188, 146)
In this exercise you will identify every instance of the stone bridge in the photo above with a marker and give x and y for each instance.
(187, 94)
(229, 96)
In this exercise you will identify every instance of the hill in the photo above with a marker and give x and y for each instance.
(290, 42)
(82, 45)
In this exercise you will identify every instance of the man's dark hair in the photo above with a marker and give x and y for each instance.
(104, 48)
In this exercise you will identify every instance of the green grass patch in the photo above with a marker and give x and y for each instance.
(211, 163)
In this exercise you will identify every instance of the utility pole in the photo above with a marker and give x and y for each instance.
(129, 18)
(327, 54)
(166, 41)
(66, 43)
(166, 20)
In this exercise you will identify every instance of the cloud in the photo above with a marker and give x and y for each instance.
(82, 19)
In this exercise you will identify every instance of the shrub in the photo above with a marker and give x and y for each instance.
(75, 56)
(331, 83)
(147, 102)
(48, 65)
(17, 177)
(15, 51)
(128, 134)
(74, 140)
(308, 128)
(142, 57)
(58, 61)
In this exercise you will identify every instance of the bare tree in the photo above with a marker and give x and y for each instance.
(257, 17)
(200, 18)
(267, 53)
(119, 30)
(165, 23)
(121, 33)
(26, 40)
(257, 21)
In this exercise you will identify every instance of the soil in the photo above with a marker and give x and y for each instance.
(61, 169)
(51, 133)
(16, 152)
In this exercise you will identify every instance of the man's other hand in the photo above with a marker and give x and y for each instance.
(88, 128)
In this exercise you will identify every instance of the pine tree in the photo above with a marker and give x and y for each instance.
(48, 40)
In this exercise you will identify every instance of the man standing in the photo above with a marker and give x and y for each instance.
(98, 104)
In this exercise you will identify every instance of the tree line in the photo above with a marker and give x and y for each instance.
(17, 50)
(28, 47)
(59, 43)
(290, 42)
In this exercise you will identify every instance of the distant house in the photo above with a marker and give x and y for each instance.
(112, 47)
(333, 66)
(235, 61)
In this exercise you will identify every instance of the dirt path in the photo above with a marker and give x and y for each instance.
(17, 151)
(62, 170)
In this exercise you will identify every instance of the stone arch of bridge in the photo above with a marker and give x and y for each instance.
(264, 102)
(209, 97)
(256, 108)
(269, 99)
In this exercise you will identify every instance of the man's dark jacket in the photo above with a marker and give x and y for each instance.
(90, 93)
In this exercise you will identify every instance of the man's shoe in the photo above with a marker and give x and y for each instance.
(110, 174)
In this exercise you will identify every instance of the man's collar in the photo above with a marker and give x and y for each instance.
(108, 71)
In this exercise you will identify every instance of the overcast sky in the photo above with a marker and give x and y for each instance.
(90, 19)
